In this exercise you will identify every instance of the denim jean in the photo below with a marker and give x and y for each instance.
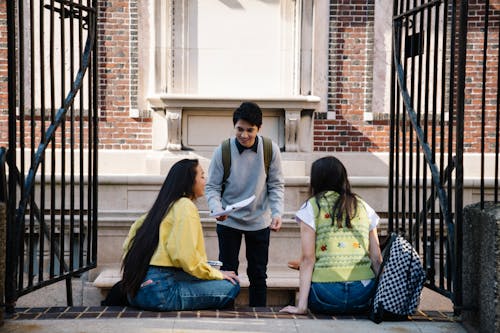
(257, 251)
(340, 297)
(172, 289)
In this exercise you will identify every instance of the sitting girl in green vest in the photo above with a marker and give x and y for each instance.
(340, 247)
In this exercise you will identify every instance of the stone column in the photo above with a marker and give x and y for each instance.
(3, 244)
(481, 267)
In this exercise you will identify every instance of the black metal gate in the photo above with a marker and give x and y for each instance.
(429, 125)
(51, 158)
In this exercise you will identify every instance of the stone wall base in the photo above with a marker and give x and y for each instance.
(481, 267)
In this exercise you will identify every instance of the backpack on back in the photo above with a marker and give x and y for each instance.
(226, 156)
(400, 282)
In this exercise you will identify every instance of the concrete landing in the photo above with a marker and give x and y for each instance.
(124, 320)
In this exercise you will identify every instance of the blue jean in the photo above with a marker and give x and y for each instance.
(257, 252)
(340, 297)
(172, 289)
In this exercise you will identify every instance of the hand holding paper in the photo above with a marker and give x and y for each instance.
(234, 207)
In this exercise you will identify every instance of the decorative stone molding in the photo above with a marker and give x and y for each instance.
(292, 128)
(167, 123)
(178, 93)
(174, 116)
(159, 129)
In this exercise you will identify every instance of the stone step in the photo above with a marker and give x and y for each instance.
(278, 278)
(282, 285)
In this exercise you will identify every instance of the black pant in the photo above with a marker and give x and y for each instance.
(257, 250)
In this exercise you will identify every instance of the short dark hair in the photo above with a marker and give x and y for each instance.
(248, 111)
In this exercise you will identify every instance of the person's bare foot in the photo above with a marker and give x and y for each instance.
(294, 264)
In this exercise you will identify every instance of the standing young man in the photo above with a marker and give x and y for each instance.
(248, 176)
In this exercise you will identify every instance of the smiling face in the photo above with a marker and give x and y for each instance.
(245, 133)
(199, 182)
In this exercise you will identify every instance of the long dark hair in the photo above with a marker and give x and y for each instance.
(329, 174)
(179, 183)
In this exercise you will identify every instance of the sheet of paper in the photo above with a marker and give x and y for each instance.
(234, 207)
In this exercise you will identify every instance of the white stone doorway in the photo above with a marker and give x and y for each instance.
(200, 59)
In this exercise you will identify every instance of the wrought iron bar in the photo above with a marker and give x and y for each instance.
(12, 251)
(95, 144)
(459, 174)
(52, 141)
(3, 175)
(392, 136)
(81, 125)
(29, 183)
(402, 227)
(32, 233)
(41, 261)
(17, 252)
(72, 151)
(428, 159)
(419, 116)
(420, 135)
(431, 263)
(451, 113)
(444, 175)
(483, 97)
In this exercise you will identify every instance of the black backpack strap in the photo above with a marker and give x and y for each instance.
(385, 255)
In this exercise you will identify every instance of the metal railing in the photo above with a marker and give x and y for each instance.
(431, 113)
(53, 117)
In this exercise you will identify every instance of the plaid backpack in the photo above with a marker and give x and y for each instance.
(400, 282)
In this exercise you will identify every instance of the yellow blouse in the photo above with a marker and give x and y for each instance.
(181, 242)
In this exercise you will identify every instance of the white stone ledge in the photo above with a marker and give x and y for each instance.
(289, 181)
(273, 102)
(357, 181)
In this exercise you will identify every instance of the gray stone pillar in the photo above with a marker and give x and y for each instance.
(481, 267)
(3, 244)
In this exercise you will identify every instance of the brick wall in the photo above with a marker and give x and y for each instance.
(474, 75)
(341, 128)
(350, 83)
(118, 77)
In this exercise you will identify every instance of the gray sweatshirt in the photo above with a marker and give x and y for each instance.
(247, 177)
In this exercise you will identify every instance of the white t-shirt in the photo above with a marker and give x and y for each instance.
(306, 215)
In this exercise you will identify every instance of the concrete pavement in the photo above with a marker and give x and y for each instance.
(212, 325)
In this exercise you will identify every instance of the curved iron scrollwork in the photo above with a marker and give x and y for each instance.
(413, 139)
(61, 113)
(28, 226)
(443, 198)
(72, 12)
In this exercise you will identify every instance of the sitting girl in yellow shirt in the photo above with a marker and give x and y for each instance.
(165, 263)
